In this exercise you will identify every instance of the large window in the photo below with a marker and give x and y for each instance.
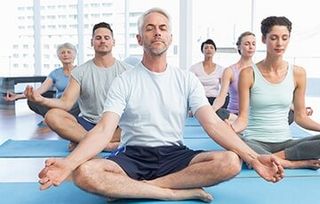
(304, 47)
(221, 21)
(28, 45)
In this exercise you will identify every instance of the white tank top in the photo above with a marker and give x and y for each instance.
(269, 107)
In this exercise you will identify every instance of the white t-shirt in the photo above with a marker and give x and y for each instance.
(153, 106)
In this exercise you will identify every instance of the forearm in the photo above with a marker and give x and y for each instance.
(223, 134)
(89, 147)
(239, 124)
(218, 102)
(92, 144)
(227, 138)
(20, 96)
(56, 103)
(307, 123)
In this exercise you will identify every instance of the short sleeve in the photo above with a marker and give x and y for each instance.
(197, 97)
(116, 97)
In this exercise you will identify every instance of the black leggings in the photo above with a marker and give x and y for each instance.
(226, 102)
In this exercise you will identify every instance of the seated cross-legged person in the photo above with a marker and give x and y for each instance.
(150, 103)
(89, 85)
(58, 79)
(266, 91)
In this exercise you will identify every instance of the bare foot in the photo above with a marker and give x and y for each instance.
(187, 194)
(111, 146)
(204, 196)
(309, 164)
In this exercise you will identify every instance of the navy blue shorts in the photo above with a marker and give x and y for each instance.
(146, 163)
(85, 124)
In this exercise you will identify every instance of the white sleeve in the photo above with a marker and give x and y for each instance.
(116, 97)
(197, 97)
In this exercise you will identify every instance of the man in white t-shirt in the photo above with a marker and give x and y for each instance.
(149, 102)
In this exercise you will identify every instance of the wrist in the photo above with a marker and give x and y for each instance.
(251, 160)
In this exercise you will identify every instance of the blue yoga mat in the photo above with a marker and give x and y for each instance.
(201, 144)
(35, 148)
(292, 190)
(59, 148)
(298, 132)
(192, 122)
(29, 193)
(249, 173)
(194, 132)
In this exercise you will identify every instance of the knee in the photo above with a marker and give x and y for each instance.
(51, 115)
(232, 163)
(82, 176)
(54, 117)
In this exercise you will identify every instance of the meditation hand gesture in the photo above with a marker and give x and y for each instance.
(268, 167)
(54, 173)
(32, 95)
(10, 96)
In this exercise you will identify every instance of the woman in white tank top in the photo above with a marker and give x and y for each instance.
(266, 92)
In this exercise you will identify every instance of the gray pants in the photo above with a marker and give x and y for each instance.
(300, 149)
(42, 110)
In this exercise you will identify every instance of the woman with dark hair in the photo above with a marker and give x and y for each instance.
(266, 92)
(208, 72)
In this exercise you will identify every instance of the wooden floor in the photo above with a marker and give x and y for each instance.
(20, 123)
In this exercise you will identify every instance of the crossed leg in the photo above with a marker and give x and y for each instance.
(106, 178)
(302, 153)
(205, 169)
(309, 163)
(67, 127)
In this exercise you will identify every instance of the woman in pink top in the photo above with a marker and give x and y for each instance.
(208, 72)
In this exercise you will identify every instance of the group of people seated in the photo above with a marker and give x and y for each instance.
(140, 113)
(259, 95)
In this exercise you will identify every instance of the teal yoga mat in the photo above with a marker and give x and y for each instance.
(194, 129)
(59, 148)
(35, 148)
(291, 190)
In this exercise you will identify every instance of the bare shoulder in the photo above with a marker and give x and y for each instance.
(299, 75)
(298, 70)
(246, 76)
(247, 70)
(227, 71)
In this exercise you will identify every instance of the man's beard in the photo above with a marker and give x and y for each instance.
(158, 51)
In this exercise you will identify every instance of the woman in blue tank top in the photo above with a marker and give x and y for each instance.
(58, 79)
(266, 92)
